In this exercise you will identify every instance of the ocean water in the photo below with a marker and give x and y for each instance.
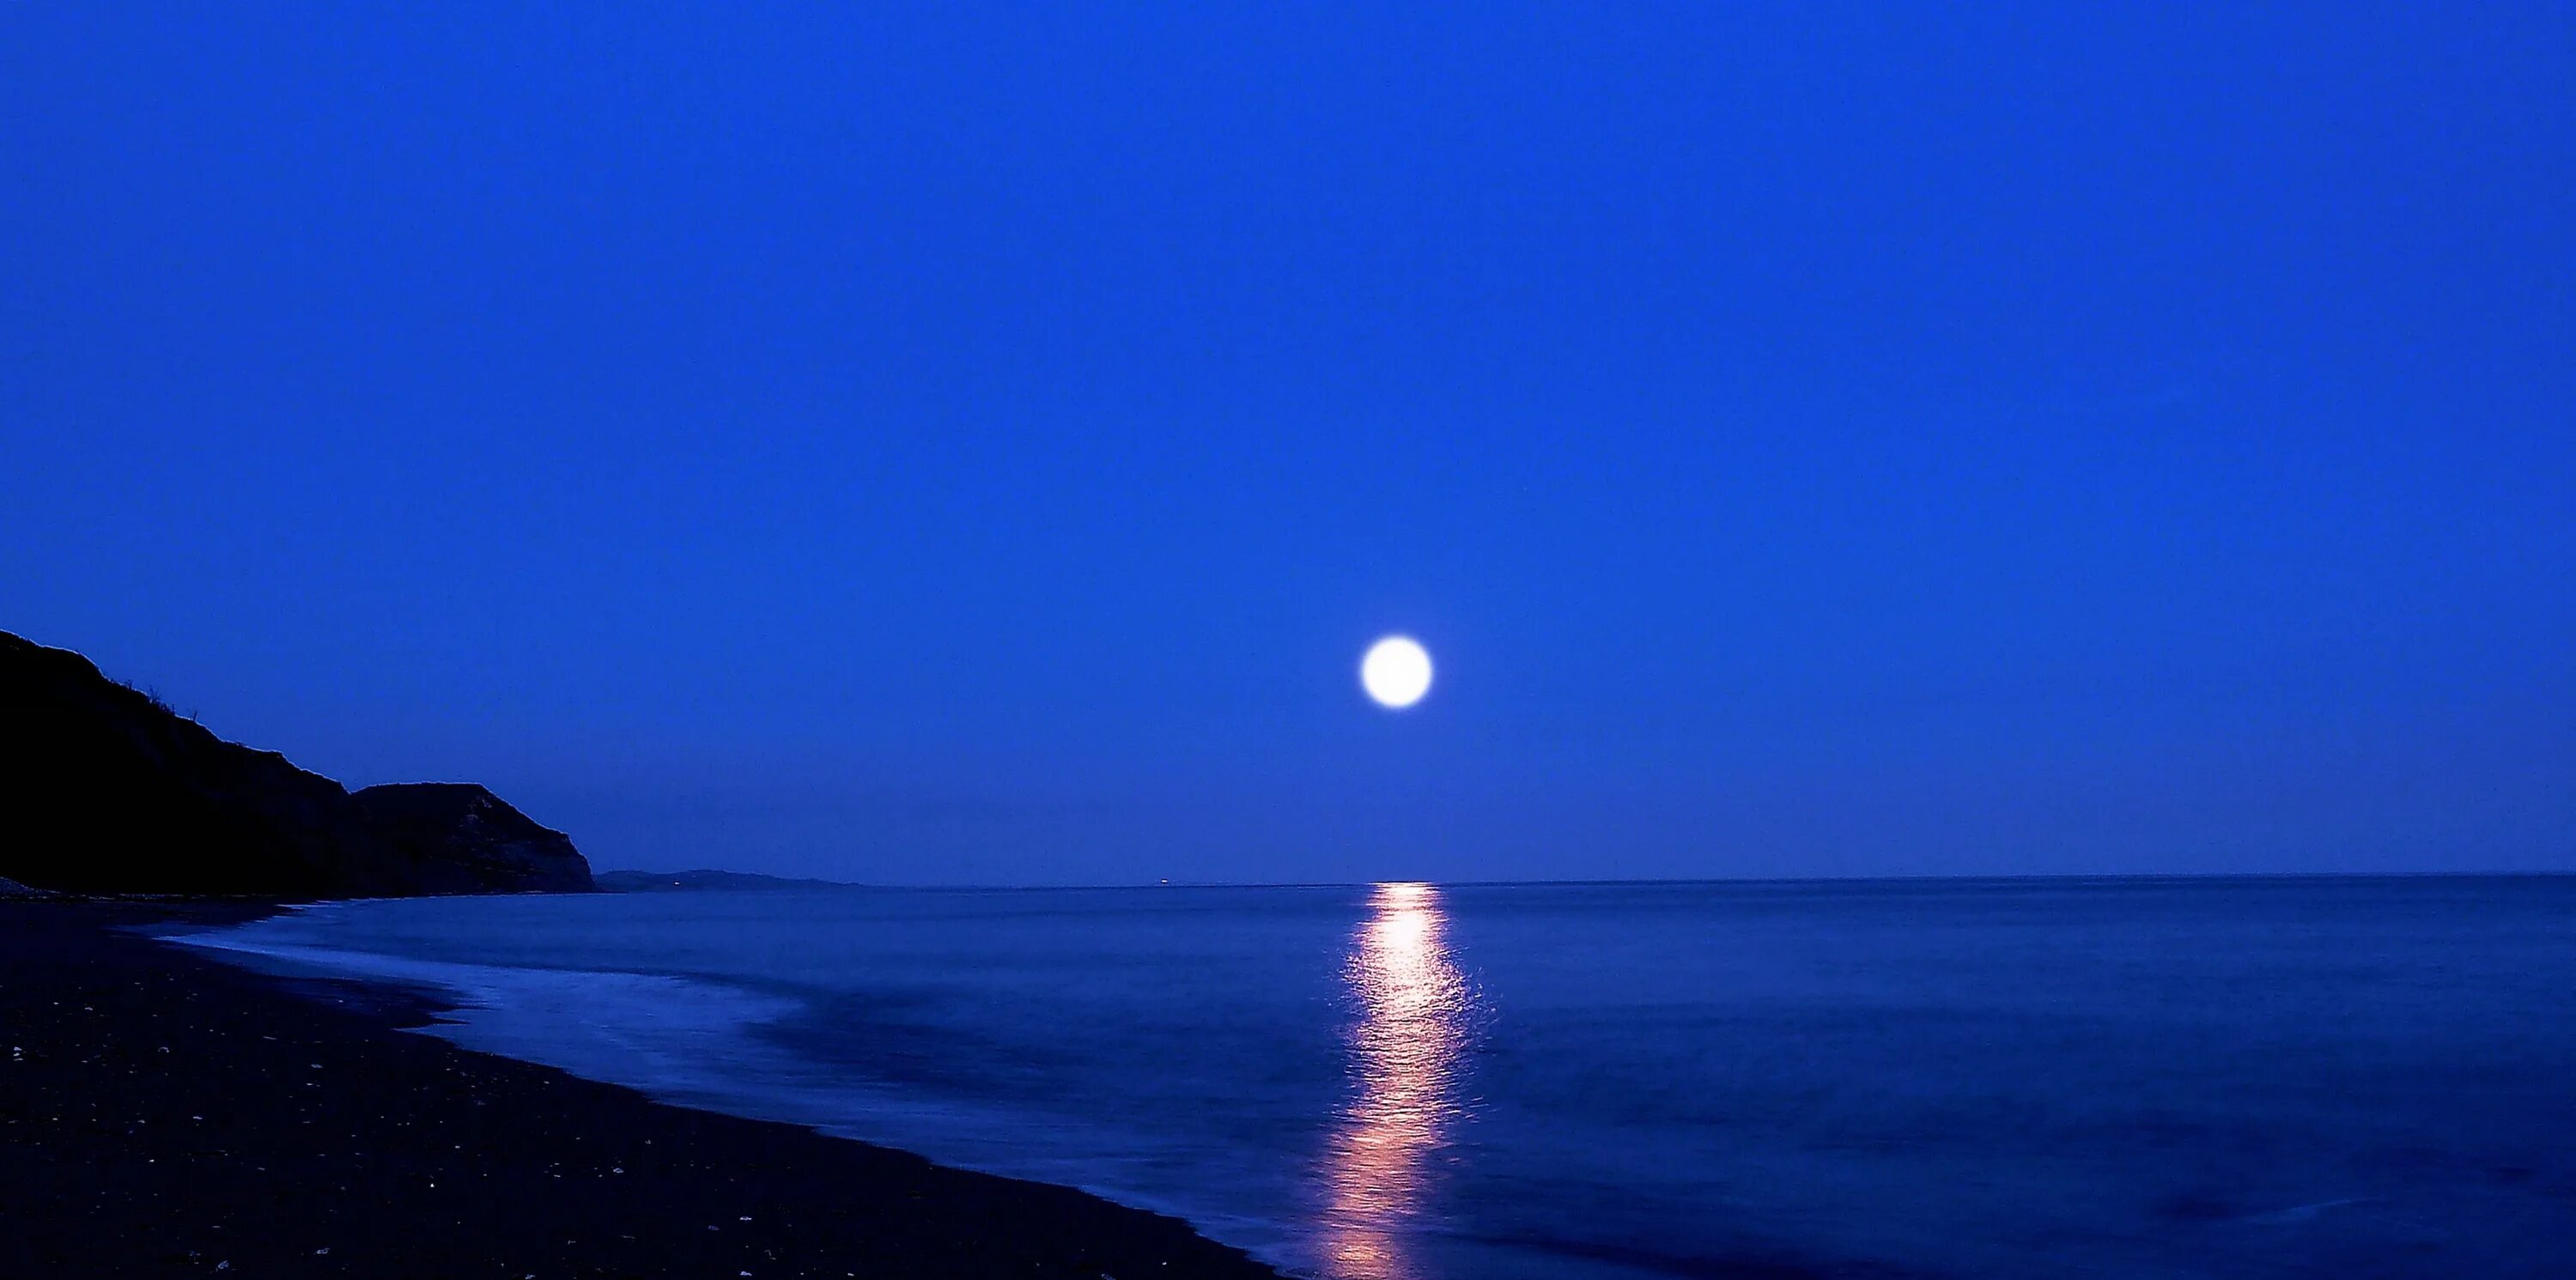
(2120, 1078)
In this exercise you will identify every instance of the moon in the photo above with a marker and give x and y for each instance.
(1396, 672)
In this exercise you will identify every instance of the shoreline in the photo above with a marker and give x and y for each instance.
(166, 1113)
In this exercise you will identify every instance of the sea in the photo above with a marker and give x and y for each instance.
(2296, 1077)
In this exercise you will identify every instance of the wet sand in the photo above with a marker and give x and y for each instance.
(167, 1115)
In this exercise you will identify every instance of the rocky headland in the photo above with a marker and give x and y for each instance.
(108, 791)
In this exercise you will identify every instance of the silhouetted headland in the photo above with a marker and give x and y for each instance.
(111, 792)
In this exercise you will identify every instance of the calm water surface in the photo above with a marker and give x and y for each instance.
(2323, 1077)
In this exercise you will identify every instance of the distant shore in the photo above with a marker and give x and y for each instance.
(165, 1114)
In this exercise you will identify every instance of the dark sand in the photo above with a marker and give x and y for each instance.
(167, 1115)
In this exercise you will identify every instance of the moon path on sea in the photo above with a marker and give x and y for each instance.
(1406, 1049)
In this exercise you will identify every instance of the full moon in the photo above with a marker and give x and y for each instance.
(1396, 672)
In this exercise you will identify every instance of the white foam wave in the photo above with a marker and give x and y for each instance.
(671, 1038)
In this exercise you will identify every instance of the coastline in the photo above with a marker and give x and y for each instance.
(164, 1113)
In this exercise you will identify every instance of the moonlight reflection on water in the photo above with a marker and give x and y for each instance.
(1406, 1049)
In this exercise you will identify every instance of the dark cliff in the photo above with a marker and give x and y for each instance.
(104, 790)
(464, 839)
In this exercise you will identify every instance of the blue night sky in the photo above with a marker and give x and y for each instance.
(976, 445)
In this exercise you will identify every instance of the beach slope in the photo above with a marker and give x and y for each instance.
(166, 1115)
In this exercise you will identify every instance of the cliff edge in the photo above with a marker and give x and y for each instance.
(463, 839)
(105, 790)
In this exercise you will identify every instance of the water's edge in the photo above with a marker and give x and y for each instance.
(490, 1009)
